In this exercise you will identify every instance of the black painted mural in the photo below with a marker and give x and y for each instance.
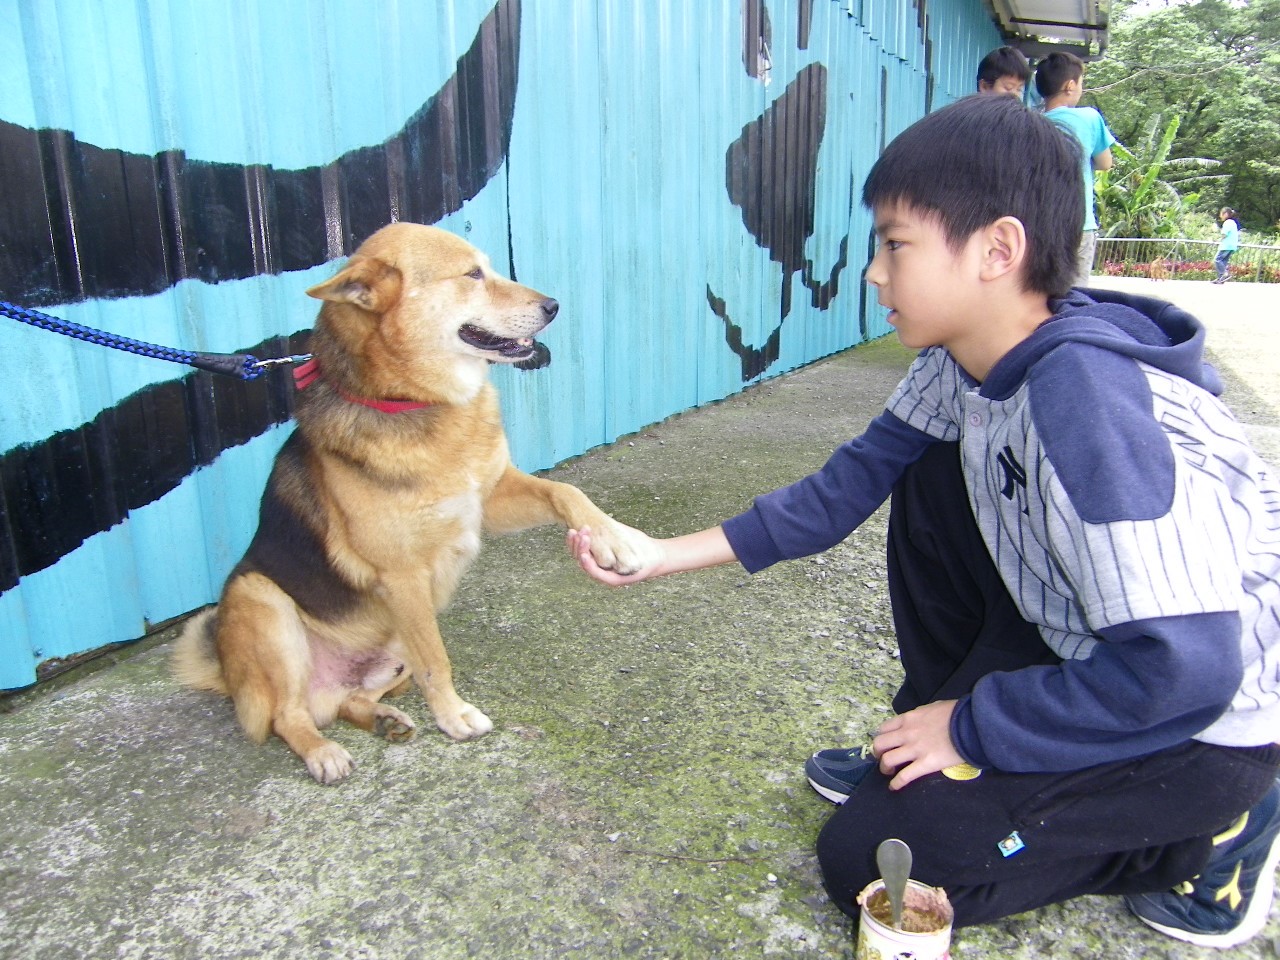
(76, 483)
(771, 176)
(81, 222)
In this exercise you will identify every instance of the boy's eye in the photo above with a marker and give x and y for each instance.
(891, 244)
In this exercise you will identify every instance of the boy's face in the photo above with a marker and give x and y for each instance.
(1008, 85)
(929, 288)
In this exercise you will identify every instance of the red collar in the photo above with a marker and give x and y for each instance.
(304, 375)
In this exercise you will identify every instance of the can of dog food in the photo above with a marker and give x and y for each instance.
(926, 924)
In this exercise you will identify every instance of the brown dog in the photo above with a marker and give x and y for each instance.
(1159, 269)
(375, 504)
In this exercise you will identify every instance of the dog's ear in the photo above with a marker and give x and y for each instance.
(367, 282)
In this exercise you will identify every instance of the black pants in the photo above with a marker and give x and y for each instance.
(1135, 826)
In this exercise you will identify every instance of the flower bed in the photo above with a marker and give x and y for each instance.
(1190, 270)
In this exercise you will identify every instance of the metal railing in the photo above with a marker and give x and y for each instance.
(1182, 259)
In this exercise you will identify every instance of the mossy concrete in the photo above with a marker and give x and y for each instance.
(641, 795)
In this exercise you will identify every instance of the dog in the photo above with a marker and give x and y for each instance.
(1159, 269)
(375, 504)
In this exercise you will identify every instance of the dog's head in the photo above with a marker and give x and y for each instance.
(418, 312)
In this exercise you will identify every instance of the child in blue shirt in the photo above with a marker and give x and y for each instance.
(1082, 561)
(1060, 81)
(1228, 245)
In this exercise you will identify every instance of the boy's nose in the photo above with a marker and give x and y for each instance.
(874, 274)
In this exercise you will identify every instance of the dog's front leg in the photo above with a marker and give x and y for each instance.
(424, 652)
(520, 501)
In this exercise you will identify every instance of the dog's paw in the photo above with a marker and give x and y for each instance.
(466, 723)
(329, 763)
(622, 549)
(393, 725)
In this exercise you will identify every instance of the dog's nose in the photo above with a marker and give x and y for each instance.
(549, 309)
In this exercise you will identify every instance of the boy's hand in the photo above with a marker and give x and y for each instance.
(579, 544)
(916, 743)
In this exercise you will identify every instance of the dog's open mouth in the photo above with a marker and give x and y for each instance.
(508, 348)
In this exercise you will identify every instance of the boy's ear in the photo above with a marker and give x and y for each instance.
(1004, 248)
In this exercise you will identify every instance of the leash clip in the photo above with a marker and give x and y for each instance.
(281, 361)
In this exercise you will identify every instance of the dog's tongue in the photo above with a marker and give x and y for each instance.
(518, 346)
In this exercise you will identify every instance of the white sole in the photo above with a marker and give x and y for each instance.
(827, 793)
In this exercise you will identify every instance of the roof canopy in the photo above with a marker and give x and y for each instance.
(1039, 27)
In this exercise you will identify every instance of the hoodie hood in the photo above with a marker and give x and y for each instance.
(1143, 328)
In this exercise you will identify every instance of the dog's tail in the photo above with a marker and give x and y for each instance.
(195, 663)
(195, 657)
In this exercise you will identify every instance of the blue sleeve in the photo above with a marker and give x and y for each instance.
(816, 513)
(1092, 409)
(1149, 685)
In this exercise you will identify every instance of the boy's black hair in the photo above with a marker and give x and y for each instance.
(1004, 62)
(1053, 72)
(983, 158)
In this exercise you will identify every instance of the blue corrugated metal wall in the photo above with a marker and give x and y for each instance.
(682, 176)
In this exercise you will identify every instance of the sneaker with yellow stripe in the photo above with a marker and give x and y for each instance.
(1229, 901)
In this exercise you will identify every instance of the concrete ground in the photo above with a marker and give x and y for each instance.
(642, 793)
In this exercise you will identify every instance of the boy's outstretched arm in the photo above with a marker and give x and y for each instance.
(693, 551)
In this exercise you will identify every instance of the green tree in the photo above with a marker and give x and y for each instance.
(1215, 65)
(1148, 193)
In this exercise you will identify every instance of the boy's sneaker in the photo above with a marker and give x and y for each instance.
(1229, 901)
(836, 773)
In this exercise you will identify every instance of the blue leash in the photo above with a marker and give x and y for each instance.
(243, 365)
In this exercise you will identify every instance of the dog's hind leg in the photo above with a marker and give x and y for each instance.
(362, 707)
(267, 664)
(381, 719)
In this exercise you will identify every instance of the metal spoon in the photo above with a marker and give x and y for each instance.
(893, 857)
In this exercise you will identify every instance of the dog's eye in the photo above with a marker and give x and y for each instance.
(476, 274)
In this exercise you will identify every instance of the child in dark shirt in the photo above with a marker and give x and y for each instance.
(1004, 70)
(1083, 564)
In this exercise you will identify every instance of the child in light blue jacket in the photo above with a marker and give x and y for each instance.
(1228, 245)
